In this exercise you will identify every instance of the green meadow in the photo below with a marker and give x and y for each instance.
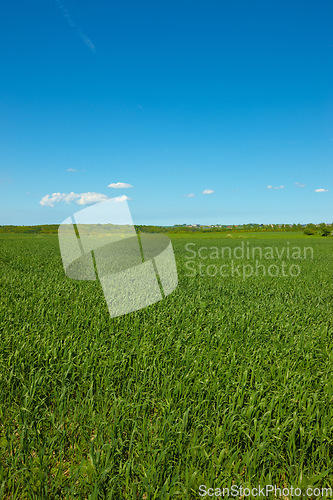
(228, 380)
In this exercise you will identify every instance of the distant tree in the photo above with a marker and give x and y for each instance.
(325, 231)
(309, 231)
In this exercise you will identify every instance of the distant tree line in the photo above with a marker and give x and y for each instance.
(309, 229)
(322, 229)
(43, 229)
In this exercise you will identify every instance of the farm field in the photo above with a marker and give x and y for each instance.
(229, 380)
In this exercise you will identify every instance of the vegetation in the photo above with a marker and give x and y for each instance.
(43, 229)
(224, 381)
(309, 229)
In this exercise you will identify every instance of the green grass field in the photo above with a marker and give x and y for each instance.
(229, 380)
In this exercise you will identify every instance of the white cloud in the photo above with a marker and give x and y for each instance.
(269, 187)
(275, 187)
(119, 185)
(321, 190)
(299, 185)
(50, 200)
(191, 195)
(208, 191)
(88, 198)
(80, 199)
(121, 198)
(71, 170)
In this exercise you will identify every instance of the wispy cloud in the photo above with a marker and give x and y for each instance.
(299, 185)
(119, 185)
(71, 170)
(275, 187)
(208, 191)
(5, 180)
(79, 33)
(321, 190)
(191, 195)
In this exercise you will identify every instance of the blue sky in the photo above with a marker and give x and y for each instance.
(173, 98)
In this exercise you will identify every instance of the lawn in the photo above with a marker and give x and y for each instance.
(228, 380)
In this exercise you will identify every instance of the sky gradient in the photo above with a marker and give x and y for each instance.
(213, 112)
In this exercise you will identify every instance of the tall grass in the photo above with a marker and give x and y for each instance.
(224, 381)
